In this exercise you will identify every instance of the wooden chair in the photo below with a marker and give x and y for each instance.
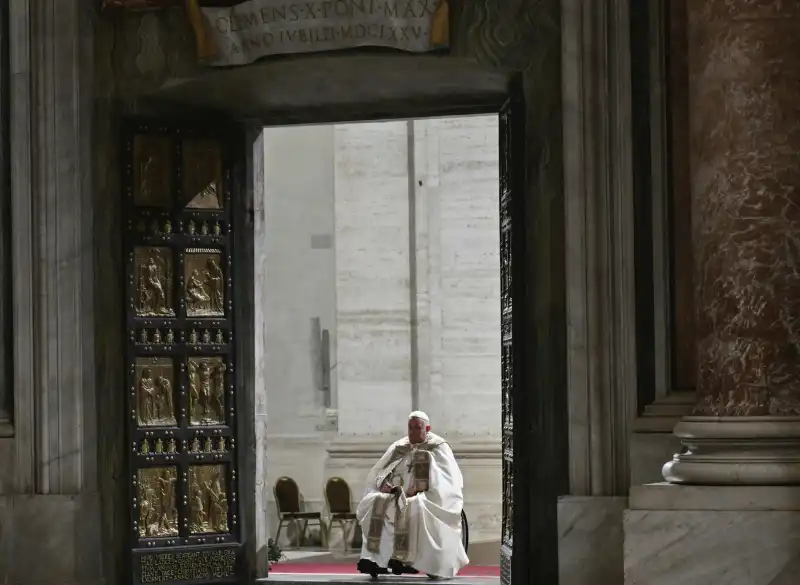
(287, 500)
(337, 496)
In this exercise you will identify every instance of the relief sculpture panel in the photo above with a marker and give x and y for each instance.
(202, 174)
(158, 510)
(153, 275)
(152, 171)
(208, 499)
(155, 398)
(205, 283)
(206, 391)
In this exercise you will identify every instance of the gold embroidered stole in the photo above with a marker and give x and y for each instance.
(421, 462)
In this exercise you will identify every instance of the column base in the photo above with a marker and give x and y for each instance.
(763, 450)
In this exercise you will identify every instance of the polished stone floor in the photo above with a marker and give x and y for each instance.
(299, 579)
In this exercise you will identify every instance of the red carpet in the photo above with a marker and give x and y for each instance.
(350, 569)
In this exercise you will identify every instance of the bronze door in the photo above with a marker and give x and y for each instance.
(535, 453)
(513, 568)
(178, 192)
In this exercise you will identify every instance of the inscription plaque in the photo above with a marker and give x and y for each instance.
(187, 566)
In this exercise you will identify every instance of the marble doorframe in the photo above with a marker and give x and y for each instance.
(49, 498)
(51, 246)
(599, 225)
(662, 406)
(6, 388)
(22, 243)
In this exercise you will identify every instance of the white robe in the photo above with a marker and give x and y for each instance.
(432, 517)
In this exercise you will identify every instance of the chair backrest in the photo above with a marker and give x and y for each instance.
(287, 496)
(337, 492)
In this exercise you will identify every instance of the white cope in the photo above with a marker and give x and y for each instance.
(422, 531)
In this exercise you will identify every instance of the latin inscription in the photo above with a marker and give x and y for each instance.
(256, 28)
(188, 566)
(325, 10)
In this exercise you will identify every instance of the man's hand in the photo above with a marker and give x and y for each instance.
(386, 488)
(412, 491)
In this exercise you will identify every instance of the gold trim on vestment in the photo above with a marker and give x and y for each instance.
(421, 460)
(401, 540)
(376, 520)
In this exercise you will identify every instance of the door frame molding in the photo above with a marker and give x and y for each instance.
(599, 218)
(537, 563)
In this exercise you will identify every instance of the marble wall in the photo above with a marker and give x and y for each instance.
(297, 244)
(50, 497)
(590, 540)
(697, 547)
(374, 295)
(456, 175)
(711, 535)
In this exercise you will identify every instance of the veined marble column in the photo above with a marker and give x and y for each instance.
(744, 60)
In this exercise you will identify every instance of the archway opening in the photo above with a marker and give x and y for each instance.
(245, 182)
(378, 292)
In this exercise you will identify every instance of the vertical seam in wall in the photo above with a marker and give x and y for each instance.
(412, 265)
(333, 388)
(6, 356)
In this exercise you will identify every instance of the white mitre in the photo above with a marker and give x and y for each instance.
(420, 415)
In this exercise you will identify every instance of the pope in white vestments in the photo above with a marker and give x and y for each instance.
(410, 514)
